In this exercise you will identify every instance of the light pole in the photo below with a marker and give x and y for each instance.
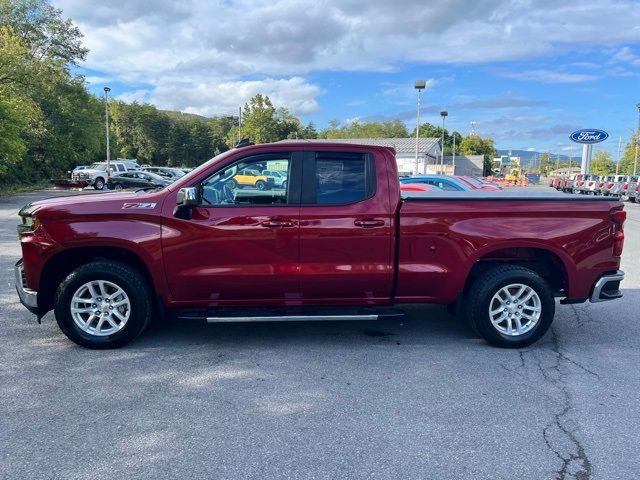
(443, 114)
(419, 86)
(635, 158)
(454, 152)
(106, 115)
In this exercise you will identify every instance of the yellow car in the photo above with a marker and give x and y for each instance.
(253, 178)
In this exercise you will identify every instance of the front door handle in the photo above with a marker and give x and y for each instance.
(277, 223)
(368, 223)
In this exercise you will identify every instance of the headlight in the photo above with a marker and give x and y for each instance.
(29, 222)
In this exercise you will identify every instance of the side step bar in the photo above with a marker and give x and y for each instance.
(293, 318)
(228, 315)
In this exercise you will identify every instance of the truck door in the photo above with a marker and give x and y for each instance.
(241, 245)
(345, 229)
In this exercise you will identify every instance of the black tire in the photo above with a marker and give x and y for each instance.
(99, 183)
(124, 276)
(478, 299)
(284, 185)
(260, 185)
(118, 187)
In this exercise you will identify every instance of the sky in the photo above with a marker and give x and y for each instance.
(528, 72)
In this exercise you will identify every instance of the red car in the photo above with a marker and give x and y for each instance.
(478, 184)
(340, 242)
(418, 187)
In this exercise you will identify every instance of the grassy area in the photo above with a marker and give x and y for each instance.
(6, 190)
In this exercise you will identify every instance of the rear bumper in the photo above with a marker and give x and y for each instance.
(607, 287)
(28, 297)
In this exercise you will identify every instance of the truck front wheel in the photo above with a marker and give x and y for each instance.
(99, 183)
(104, 304)
(510, 306)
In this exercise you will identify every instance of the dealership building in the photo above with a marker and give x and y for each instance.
(428, 151)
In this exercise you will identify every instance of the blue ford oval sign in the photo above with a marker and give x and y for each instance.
(589, 135)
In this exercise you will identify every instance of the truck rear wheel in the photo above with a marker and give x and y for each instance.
(104, 304)
(510, 306)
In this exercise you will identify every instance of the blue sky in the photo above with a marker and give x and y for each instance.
(527, 72)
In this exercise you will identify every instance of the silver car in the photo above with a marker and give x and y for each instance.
(613, 185)
(629, 189)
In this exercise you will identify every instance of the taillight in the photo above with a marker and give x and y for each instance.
(637, 187)
(626, 186)
(618, 217)
(600, 184)
(610, 185)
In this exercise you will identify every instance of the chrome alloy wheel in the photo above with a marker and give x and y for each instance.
(515, 309)
(100, 308)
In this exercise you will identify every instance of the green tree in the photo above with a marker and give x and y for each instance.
(476, 145)
(628, 159)
(259, 122)
(602, 163)
(42, 29)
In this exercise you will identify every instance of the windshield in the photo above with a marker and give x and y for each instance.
(98, 166)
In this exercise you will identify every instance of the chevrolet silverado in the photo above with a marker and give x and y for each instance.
(341, 242)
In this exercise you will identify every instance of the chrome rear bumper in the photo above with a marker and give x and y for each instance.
(28, 297)
(607, 287)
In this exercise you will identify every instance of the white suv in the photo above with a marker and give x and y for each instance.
(96, 173)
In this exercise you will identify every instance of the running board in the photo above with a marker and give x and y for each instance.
(228, 315)
(293, 318)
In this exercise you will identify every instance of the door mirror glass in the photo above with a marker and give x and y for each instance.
(188, 197)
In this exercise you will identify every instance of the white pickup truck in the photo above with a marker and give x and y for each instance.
(96, 173)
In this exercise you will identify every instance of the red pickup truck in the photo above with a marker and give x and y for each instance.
(340, 242)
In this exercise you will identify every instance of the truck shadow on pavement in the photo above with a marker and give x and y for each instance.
(421, 325)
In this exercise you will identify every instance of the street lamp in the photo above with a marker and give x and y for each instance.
(635, 158)
(443, 114)
(106, 115)
(419, 86)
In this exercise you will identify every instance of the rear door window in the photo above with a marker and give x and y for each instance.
(339, 178)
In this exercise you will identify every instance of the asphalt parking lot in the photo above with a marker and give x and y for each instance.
(413, 399)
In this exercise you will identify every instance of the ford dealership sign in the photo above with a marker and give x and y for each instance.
(589, 135)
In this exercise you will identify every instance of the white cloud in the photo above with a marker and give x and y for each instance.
(295, 93)
(549, 76)
(188, 49)
(139, 96)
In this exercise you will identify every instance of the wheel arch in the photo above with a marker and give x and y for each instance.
(61, 264)
(541, 259)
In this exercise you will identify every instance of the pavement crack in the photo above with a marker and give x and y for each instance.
(559, 434)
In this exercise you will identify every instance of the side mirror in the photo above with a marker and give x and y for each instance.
(187, 198)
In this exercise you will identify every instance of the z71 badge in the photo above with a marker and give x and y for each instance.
(138, 205)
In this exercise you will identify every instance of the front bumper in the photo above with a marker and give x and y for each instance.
(607, 287)
(28, 297)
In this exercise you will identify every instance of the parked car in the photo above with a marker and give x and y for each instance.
(253, 178)
(166, 172)
(97, 175)
(582, 181)
(569, 183)
(279, 178)
(137, 179)
(418, 187)
(478, 184)
(341, 243)
(629, 188)
(443, 182)
(611, 185)
(618, 186)
(591, 185)
(556, 182)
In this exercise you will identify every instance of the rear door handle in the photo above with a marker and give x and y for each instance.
(368, 223)
(277, 223)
